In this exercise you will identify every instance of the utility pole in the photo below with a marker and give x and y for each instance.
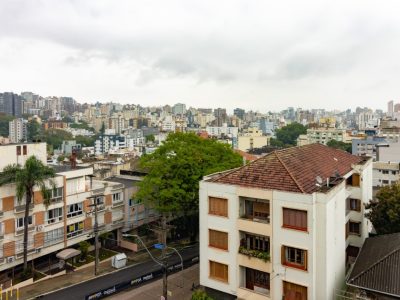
(164, 256)
(95, 227)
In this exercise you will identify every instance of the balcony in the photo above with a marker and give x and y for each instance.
(254, 252)
(263, 255)
(243, 293)
(21, 208)
(21, 231)
(254, 284)
(256, 210)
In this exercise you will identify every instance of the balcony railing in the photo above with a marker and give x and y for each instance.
(21, 208)
(264, 255)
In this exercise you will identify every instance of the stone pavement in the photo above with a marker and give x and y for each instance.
(180, 284)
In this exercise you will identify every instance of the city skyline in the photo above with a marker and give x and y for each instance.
(258, 56)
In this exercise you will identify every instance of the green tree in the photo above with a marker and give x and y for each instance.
(174, 171)
(85, 141)
(288, 134)
(4, 124)
(84, 248)
(34, 130)
(55, 137)
(33, 174)
(384, 211)
(102, 128)
(81, 125)
(150, 138)
(340, 145)
(200, 295)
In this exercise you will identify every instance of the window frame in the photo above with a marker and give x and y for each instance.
(22, 220)
(212, 270)
(294, 227)
(218, 232)
(75, 213)
(54, 219)
(293, 264)
(225, 213)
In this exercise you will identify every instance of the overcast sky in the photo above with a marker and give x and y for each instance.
(260, 55)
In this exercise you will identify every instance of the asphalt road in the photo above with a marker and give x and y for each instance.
(81, 290)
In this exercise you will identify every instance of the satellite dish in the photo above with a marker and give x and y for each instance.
(318, 179)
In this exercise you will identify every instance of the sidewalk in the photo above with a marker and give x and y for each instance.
(81, 274)
(179, 284)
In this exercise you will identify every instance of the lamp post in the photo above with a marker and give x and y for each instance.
(163, 264)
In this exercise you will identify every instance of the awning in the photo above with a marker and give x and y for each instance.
(68, 253)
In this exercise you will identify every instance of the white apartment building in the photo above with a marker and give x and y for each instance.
(385, 173)
(18, 131)
(67, 220)
(324, 135)
(252, 138)
(285, 226)
(231, 132)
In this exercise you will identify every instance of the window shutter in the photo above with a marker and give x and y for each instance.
(347, 229)
(283, 258)
(358, 205)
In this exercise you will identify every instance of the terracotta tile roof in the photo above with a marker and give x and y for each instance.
(293, 169)
(378, 264)
(247, 156)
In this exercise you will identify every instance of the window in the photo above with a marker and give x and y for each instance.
(18, 150)
(354, 227)
(74, 229)
(294, 291)
(19, 222)
(53, 236)
(385, 181)
(293, 257)
(385, 172)
(295, 219)
(354, 204)
(75, 185)
(256, 210)
(255, 242)
(54, 215)
(74, 210)
(19, 245)
(218, 239)
(57, 194)
(218, 206)
(218, 271)
(24, 150)
(117, 197)
(353, 180)
(257, 280)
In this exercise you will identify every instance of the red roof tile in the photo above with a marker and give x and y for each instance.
(293, 169)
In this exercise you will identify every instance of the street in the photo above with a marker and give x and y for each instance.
(110, 283)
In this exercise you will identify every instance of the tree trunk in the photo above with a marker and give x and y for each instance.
(27, 203)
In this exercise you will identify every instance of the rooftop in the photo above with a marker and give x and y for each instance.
(66, 168)
(292, 169)
(378, 264)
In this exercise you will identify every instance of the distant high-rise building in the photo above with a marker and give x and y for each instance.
(239, 113)
(179, 109)
(18, 131)
(390, 108)
(396, 107)
(11, 104)
(220, 116)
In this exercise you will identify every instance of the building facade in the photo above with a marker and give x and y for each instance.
(286, 226)
(18, 131)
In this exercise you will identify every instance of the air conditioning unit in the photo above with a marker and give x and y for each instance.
(39, 228)
(10, 259)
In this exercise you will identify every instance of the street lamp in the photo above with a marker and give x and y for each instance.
(163, 264)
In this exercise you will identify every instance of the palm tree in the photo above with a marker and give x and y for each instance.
(33, 174)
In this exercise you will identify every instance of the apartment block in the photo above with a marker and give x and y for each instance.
(286, 226)
(18, 130)
(67, 220)
(252, 138)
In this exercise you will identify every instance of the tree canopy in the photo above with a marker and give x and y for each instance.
(177, 166)
(384, 211)
(81, 125)
(340, 145)
(287, 135)
(55, 137)
(34, 130)
(4, 124)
